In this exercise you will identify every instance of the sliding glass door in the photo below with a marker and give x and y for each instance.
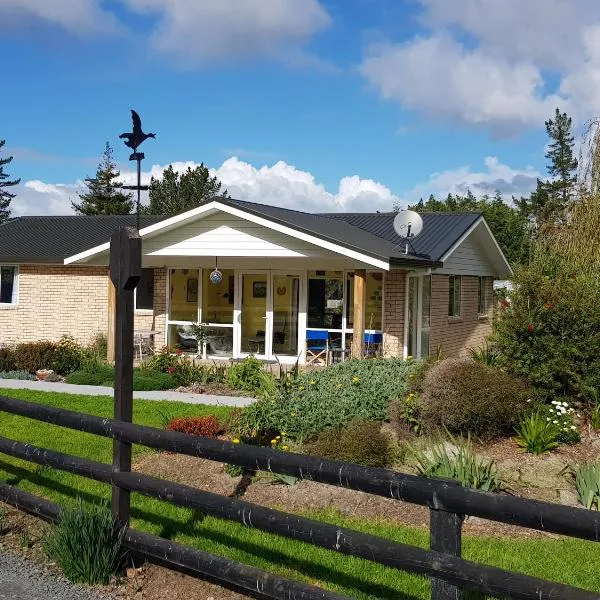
(418, 316)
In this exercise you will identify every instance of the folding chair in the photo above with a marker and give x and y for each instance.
(317, 347)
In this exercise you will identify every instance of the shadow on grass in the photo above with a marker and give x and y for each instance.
(170, 528)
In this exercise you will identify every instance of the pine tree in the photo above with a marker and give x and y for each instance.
(103, 195)
(5, 182)
(177, 192)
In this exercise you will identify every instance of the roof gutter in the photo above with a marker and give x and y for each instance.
(396, 261)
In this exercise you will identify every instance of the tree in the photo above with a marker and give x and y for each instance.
(5, 182)
(551, 197)
(103, 195)
(506, 222)
(177, 192)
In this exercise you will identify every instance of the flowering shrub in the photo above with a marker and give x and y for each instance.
(561, 414)
(550, 332)
(205, 426)
(329, 398)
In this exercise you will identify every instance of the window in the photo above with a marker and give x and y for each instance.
(454, 294)
(144, 292)
(8, 284)
(484, 297)
(325, 299)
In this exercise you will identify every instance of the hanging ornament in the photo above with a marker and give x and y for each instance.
(216, 276)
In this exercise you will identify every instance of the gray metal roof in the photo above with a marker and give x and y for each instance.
(441, 230)
(52, 239)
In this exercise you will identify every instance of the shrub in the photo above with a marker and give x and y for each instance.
(17, 375)
(235, 470)
(469, 397)
(403, 414)
(561, 414)
(587, 483)
(7, 359)
(550, 332)
(457, 461)
(250, 375)
(68, 356)
(97, 376)
(162, 361)
(329, 398)
(86, 544)
(155, 381)
(207, 426)
(537, 434)
(359, 442)
(32, 356)
(98, 346)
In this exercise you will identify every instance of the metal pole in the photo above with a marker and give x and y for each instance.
(139, 184)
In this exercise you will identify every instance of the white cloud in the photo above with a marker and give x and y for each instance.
(199, 33)
(503, 65)
(76, 16)
(282, 184)
(496, 176)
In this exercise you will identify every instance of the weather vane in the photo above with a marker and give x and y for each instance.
(134, 139)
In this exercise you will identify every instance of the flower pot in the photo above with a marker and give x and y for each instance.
(42, 374)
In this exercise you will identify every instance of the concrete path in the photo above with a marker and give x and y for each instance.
(98, 390)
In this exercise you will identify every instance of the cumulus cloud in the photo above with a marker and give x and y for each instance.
(503, 65)
(39, 198)
(221, 30)
(495, 177)
(76, 16)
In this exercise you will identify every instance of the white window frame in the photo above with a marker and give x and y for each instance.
(15, 302)
(143, 311)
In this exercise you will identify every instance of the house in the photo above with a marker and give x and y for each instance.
(261, 277)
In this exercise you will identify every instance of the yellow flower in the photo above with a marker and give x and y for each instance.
(312, 382)
(409, 357)
(283, 434)
(273, 441)
(293, 414)
(277, 437)
(355, 379)
(284, 447)
(301, 388)
(236, 440)
(340, 385)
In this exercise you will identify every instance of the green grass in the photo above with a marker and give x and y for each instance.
(572, 562)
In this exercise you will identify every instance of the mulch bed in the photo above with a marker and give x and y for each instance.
(216, 389)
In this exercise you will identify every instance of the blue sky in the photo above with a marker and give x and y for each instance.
(315, 104)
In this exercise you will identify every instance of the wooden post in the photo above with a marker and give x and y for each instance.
(125, 273)
(360, 297)
(445, 531)
(110, 337)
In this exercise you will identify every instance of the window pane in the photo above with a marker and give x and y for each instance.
(217, 298)
(457, 295)
(7, 285)
(425, 316)
(183, 295)
(374, 302)
(144, 292)
(219, 341)
(451, 296)
(254, 312)
(325, 299)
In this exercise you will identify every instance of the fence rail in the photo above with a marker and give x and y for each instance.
(447, 501)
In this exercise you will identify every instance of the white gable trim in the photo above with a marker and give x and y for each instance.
(494, 247)
(200, 211)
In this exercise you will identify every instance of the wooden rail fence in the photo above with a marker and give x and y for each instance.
(448, 502)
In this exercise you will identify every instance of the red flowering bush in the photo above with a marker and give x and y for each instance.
(205, 426)
(550, 333)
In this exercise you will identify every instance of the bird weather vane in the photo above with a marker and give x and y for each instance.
(133, 140)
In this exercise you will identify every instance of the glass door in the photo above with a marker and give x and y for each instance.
(413, 316)
(418, 316)
(285, 292)
(254, 324)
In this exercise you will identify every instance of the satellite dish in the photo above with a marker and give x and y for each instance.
(408, 224)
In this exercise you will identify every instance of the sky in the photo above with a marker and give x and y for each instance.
(318, 105)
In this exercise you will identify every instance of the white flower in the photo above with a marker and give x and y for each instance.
(528, 399)
(547, 418)
(554, 402)
(555, 421)
(573, 427)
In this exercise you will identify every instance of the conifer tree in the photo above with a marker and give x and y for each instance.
(5, 182)
(103, 195)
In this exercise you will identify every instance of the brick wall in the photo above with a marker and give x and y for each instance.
(57, 300)
(455, 335)
(393, 312)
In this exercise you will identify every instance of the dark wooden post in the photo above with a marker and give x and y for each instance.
(445, 531)
(125, 272)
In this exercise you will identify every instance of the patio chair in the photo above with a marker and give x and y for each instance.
(317, 347)
(372, 344)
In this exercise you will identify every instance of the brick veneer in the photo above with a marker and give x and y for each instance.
(455, 335)
(394, 291)
(55, 300)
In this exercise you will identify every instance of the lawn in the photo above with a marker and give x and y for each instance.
(568, 561)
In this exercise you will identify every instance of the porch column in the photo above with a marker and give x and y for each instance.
(110, 336)
(360, 281)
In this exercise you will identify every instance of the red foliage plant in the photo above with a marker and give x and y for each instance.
(205, 426)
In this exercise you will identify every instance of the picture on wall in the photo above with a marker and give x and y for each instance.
(192, 290)
(259, 289)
